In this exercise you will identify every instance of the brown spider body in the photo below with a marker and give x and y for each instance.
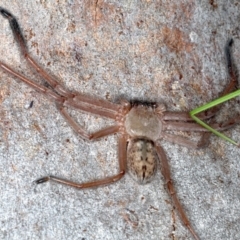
(139, 127)
(143, 126)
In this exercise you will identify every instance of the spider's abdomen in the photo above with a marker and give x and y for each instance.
(142, 160)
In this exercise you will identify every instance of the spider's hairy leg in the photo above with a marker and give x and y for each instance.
(195, 127)
(165, 169)
(173, 119)
(15, 29)
(232, 85)
(122, 156)
(82, 132)
(76, 100)
(32, 84)
(91, 105)
(23, 48)
(185, 116)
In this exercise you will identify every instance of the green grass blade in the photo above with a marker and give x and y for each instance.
(215, 102)
(210, 105)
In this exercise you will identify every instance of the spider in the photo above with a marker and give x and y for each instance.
(139, 126)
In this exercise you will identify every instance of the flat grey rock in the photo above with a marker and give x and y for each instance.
(157, 51)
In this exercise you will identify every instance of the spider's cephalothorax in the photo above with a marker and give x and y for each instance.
(142, 121)
(139, 126)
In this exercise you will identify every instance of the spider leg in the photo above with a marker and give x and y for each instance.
(77, 100)
(23, 48)
(233, 83)
(184, 116)
(88, 104)
(122, 155)
(165, 169)
(210, 112)
(81, 105)
(170, 117)
(180, 140)
(186, 126)
(82, 132)
(105, 112)
(44, 90)
(229, 88)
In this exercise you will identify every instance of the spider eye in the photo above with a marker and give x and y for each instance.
(154, 105)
